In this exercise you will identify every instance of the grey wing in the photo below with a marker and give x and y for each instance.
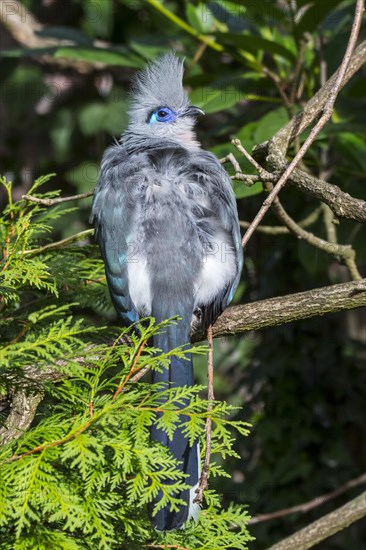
(223, 219)
(112, 213)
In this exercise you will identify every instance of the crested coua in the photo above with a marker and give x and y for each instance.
(166, 222)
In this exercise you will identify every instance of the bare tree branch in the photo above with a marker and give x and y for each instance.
(342, 204)
(59, 244)
(326, 526)
(22, 411)
(285, 309)
(316, 104)
(25, 400)
(235, 320)
(273, 152)
(327, 113)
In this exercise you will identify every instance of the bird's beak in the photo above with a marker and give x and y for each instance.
(192, 111)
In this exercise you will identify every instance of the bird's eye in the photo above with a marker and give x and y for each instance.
(162, 114)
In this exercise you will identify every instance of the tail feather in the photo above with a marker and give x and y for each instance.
(179, 373)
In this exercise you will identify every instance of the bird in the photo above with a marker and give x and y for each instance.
(166, 222)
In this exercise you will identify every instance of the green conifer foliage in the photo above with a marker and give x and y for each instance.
(76, 464)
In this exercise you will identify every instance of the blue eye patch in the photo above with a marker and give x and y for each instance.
(162, 114)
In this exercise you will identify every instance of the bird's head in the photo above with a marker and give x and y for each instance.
(160, 107)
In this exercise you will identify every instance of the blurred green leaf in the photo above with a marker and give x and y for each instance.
(28, 52)
(66, 33)
(84, 177)
(61, 134)
(110, 117)
(352, 146)
(254, 44)
(148, 50)
(23, 88)
(241, 190)
(248, 12)
(98, 19)
(98, 55)
(269, 124)
(200, 17)
(247, 135)
(314, 14)
(212, 100)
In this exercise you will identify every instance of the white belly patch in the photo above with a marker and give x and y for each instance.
(139, 284)
(218, 270)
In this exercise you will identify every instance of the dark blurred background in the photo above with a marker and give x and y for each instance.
(65, 72)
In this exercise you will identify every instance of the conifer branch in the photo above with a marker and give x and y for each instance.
(57, 200)
(50, 445)
(59, 244)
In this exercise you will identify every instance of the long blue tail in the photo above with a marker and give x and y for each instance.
(179, 373)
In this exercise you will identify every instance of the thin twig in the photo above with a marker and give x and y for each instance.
(46, 446)
(329, 219)
(59, 244)
(140, 374)
(165, 546)
(58, 200)
(249, 179)
(264, 175)
(346, 252)
(197, 56)
(279, 85)
(132, 370)
(203, 483)
(311, 504)
(294, 93)
(327, 113)
(286, 100)
(283, 230)
(231, 158)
